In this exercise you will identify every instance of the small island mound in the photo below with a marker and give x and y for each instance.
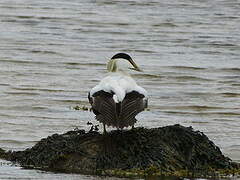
(171, 150)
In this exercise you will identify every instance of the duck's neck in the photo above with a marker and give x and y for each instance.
(120, 72)
(118, 65)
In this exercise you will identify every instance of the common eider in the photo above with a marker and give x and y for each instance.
(117, 99)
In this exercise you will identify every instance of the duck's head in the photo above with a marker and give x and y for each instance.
(121, 62)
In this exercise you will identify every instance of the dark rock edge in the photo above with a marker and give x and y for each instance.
(171, 150)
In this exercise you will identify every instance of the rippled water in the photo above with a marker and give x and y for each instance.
(53, 52)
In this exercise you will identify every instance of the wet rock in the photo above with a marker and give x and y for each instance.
(139, 151)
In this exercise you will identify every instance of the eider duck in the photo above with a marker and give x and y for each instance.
(117, 99)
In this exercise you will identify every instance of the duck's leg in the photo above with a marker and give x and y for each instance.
(132, 126)
(104, 128)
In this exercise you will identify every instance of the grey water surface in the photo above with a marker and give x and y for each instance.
(52, 52)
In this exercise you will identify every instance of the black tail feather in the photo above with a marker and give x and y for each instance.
(118, 115)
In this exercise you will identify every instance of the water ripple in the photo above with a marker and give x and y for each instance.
(53, 52)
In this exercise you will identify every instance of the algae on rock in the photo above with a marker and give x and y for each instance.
(137, 152)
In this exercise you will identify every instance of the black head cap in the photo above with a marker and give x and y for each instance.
(122, 56)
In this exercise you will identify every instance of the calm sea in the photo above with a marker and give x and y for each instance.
(52, 52)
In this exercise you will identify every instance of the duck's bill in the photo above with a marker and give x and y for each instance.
(135, 67)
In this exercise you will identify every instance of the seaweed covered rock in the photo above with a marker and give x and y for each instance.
(3, 154)
(167, 149)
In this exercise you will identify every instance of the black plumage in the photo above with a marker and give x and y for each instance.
(121, 114)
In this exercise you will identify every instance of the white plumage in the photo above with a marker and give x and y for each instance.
(120, 83)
